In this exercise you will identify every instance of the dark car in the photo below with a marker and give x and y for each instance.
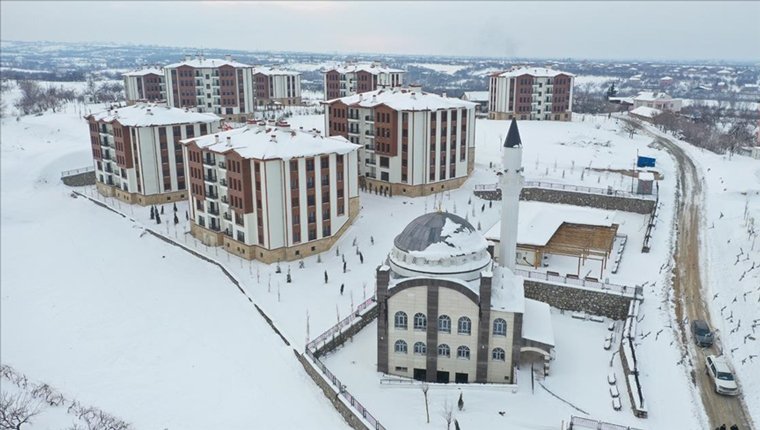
(702, 333)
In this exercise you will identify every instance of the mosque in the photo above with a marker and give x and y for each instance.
(447, 311)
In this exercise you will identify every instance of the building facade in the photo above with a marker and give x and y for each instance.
(446, 312)
(145, 85)
(267, 192)
(531, 93)
(223, 87)
(353, 78)
(276, 86)
(412, 143)
(137, 151)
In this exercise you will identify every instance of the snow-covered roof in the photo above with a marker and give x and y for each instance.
(537, 322)
(438, 235)
(274, 71)
(151, 114)
(270, 141)
(476, 96)
(145, 71)
(404, 99)
(539, 72)
(646, 112)
(536, 225)
(625, 100)
(373, 68)
(666, 78)
(649, 96)
(207, 63)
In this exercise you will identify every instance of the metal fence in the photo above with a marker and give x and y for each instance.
(314, 346)
(67, 173)
(348, 321)
(635, 292)
(580, 423)
(609, 191)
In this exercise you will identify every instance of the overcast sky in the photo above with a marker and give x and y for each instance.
(680, 30)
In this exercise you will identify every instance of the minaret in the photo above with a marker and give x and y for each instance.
(511, 184)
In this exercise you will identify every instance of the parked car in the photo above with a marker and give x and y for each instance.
(717, 368)
(702, 333)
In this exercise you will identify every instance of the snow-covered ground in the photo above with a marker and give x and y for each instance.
(124, 321)
(449, 69)
(732, 273)
(141, 329)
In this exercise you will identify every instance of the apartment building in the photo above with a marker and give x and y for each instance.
(146, 85)
(353, 78)
(268, 192)
(137, 151)
(276, 86)
(531, 93)
(223, 87)
(411, 142)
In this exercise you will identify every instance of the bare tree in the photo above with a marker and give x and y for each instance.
(425, 387)
(448, 413)
(17, 410)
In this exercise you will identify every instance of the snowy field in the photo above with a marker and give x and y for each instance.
(124, 321)
(145, 347)
(732, 273)
(449, 69)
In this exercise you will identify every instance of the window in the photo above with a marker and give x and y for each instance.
(420, 348)
(463, 352)
(420, 321)
(444, 350)
(498, 354)
(400, 320)
(499, 327)
(444, 323)
(465, 326)
(400, 347)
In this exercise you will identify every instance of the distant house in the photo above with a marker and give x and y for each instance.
(479, 97)
(657, 100)
(666, 81)
(750, 151)
(531, 93)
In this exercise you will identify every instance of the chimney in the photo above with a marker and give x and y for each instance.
(147, 112)
(216, 138)
(273, 138)
(443, 94)
(229, 141)
(374, 98)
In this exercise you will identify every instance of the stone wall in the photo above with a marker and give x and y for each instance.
(341, 338)
(79, 180)
(331, 394)
(601, 201)
(578, 299)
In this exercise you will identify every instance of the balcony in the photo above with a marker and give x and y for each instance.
(213, 210)
(370, 162)
(214, 227)
(368, 118)
(228, 232)
(209, 178)
(212, 194)
(223, 182)
(369, 147)
(208, 161)
(222, 165)
(224, 200)
(227, 216)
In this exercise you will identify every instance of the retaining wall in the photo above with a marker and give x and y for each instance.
(601, 201)
(80, 179)
(578, 299)
(342, 337)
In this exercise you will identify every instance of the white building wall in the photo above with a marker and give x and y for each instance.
(411, 301)
(275, 204)
(150, 172)
(501, 371)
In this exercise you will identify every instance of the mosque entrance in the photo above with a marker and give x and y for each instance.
(420, 374)
(442, 377)
(460, 378)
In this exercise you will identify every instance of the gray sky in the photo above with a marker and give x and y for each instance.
(681, 30)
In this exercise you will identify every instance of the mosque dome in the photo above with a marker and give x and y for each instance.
(440, 243)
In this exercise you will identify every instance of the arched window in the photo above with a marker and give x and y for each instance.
(465, 326)
(444, 323)
(444, 350)
(498, 354)
(463, 352)
(499, 327)
(420, 348)
(400, 347)
(400, 320)
(420, 321)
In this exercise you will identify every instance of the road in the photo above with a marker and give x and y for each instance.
(688, 289)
